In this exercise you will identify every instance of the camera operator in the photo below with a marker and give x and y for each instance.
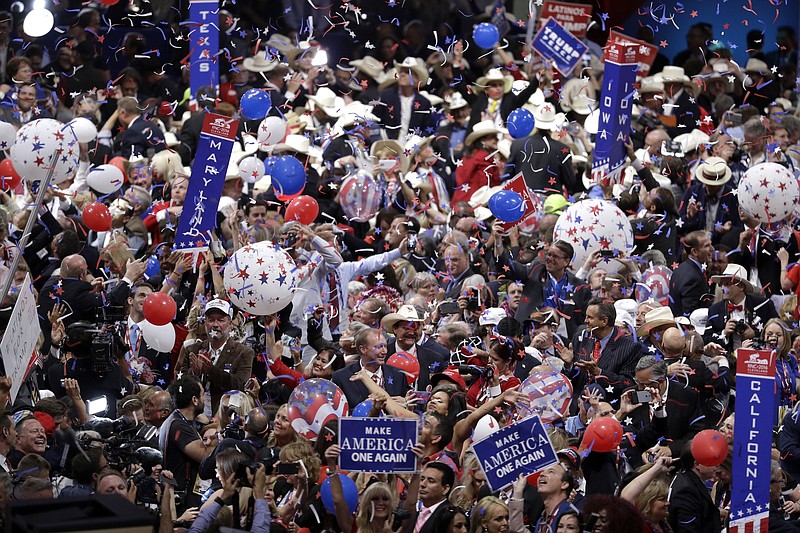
(180, 441)
(253, 445)
(220, 363)
(91, 359)
(86, 468)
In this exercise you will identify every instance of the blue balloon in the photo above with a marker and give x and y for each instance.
(255, 104)
(362, 410)
(288, 176)
(485, 35)
(350, 494)
(153, 267)
(520, 123)
(507, 206)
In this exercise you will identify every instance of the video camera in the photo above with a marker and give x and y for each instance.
(99, 342)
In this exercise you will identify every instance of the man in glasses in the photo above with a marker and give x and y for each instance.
(659, 411)
(406, 325)
(741, 314)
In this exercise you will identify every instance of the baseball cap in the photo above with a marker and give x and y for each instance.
(492, 316)
(555, 204)
(450, 374)
(570, 456)
(219, 305)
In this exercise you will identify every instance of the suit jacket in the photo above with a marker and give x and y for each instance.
(388, 111)
(684, 420)
(686, 112)
(546, 166)
(728, 210)
(140, 136)
(430, 523)
(394, 382)
(453, 288)
(232, 369)
(432, 357)
(686, 287)
(757, 310)
(691, 507)
(509, 103)
(617, 364)
(766, 259)
(534, 277)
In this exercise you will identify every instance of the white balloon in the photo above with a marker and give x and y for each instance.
(769, 192)
(251, 169)
(271, 131)
(38, 23)
(260, 279)
(83, 128)
(8, 134)
(591, 225)
(44, 144)
(105, 179)
(159, 338)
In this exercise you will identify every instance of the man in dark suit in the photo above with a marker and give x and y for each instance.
(433, 487)
(371, 347)
(159, 363)
(406, 325)
(220, 362)
(25, 110)
(456, 263)
(710, 203)
(739, 303)
(691, 508)
(549, 285)
(688, 282)
(139, 134)
(496, 95)
(681, 111)
(398, 120)
(601, 354)
(670, 419)
(545, 163)
(190, 131)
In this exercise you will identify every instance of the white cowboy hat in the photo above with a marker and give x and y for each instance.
(691, 141)
(406, 313)
(326, 99)
(713, 171)
(578, 96)
(455, 101)
(757, 66)
(737, 273)
(393, 147)
(672, 74)
(545, 117)
(650, 85)
(435, 101)
(417, 67)
(300, 144)
(480, 199)
(660, 316)
(261, 62)
(492, 75)
(371, 67)
(535, 100)
(353, 112)
(482, 129)
(281, 43)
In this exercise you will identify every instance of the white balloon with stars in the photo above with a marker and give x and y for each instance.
(41, 145)
(260, 278)
(594, 225)
(768, 192)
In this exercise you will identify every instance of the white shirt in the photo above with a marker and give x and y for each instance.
(376, 376)
(406, 108)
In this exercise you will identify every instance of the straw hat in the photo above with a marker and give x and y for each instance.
(261, 62)
(756, 66)
(281, 43)
(328, 102)
(406, 313)
(672, 74)
(494, 74)
(660, 316)
(714, 171)
(417, 67)
(578, 96)
(736, 273)
(371, 67)
(650, 85)
(393, 147)
(482, 129)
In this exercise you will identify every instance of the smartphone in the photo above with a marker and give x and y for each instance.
(608, 253)
(412, 241)
(287, 469)
(735, 118)
(449, 308)
(641, 396)
(387, 164)
(168, 480)
(424, 395)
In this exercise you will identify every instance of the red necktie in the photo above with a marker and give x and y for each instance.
(596, 351)
(733, 307)
(333, 301)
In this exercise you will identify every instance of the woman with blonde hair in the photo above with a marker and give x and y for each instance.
(472, 480)
(491, 515)
(776, 336)
(375, 506)
(649, 493)
(301, 504)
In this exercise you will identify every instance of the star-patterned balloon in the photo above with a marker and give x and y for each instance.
(260, 278)
(594, 225)
(549, 392)
(360, 197)
(768, 192)
(41, 145)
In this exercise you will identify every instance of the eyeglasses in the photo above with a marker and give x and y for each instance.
(556, 256)
(643, 384)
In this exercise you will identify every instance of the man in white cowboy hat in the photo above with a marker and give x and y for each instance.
(402, 110)
(680, 112)
(709, 204)
(406, 326)
(496, 101)
(741, 314)
(369, 72)
(759, 92)
(350, 133)
(326, 108)
(546, 164)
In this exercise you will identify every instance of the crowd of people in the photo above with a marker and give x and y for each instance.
(200, 432)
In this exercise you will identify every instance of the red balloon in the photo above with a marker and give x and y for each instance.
(109, 2)
(602, 435)
(119, 162)
(406, 363)
(9, 179)
(709, 447)
(303, 209)
(97, 217)
(159, 308)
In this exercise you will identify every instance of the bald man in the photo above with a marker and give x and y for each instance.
(713, 387)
